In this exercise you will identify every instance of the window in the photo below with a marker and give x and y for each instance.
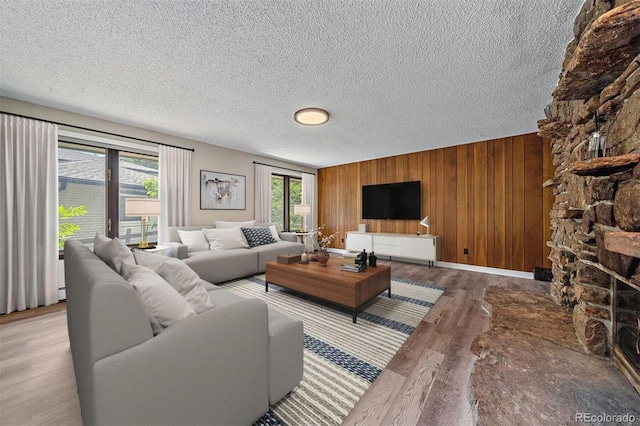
(138, 178)
(93, 184)
(81, 192)
(286, 192)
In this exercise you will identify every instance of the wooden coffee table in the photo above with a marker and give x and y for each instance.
(351, 289)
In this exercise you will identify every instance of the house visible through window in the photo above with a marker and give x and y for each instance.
(93, 183)
(286, 192)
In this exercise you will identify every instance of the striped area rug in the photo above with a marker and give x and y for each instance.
(341, 359)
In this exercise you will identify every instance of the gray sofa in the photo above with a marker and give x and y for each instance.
(216, 266)
(222, 366)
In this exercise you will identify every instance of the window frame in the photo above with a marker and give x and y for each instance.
(286, 204)
(112, 173)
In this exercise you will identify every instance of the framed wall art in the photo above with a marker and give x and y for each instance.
(222, 191)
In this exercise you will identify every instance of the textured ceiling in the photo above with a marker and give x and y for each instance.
(396, 76)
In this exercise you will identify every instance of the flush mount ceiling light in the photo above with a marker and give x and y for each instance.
(311, 116)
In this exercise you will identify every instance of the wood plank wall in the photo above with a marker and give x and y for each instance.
(485, 196)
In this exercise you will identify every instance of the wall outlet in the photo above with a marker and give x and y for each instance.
(465, 251)
(343, 240)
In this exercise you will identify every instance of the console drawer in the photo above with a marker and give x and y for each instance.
(385, 249)
(386, 240)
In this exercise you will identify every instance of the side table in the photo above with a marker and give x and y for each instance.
(304, 239)
(157, 249)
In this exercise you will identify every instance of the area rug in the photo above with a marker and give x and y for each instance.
(341, 359)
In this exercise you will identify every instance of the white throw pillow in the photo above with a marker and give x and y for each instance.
(274, 232)
(161, 302)
(220, 224)
(216, 243)
(113, 252)
(187, 282)
(231, 238)
(194, 240)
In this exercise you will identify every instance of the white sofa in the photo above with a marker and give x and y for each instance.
(217, 266)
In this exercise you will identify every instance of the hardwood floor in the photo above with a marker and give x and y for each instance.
(37, 383)
(427, 382)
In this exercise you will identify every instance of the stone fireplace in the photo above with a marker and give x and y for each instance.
(594, 127)
(626, 334)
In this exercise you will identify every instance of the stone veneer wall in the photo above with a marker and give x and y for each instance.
(596, 215)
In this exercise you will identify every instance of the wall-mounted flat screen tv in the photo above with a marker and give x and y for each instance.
(392, 201)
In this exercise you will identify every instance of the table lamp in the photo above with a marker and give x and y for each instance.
(303, 210)
(426, 222)
(143, 207)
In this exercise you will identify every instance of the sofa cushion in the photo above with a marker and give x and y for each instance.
(258, 236)
(225, 239)
(216, 266)
(223, 297)
(194, 240)
(221, 224)
(161, 302)
(113, 252)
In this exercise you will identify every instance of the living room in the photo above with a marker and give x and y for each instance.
(491, 166)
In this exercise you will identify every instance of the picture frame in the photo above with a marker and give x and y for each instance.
(222, 191)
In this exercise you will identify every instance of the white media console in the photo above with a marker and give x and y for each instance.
(405, 246)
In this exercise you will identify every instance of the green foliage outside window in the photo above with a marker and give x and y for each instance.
(65, 228)
(151, 185)
(295, 197)
(278, 202)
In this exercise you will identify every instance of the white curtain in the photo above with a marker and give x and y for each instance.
(263, 194)
(174, 188)
(309, 197)
(28, 213)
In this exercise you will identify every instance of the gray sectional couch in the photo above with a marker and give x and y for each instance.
(217, 266)
(223, 366)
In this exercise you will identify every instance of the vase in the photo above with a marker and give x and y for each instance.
(323, 257)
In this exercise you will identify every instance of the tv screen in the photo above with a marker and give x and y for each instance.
(394, 201)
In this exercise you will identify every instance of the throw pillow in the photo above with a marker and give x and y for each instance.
(274, 233)
(272, 227)
(194, 240)
(225, 239)
(187, 282)
(150, 260)
(258, 236)
(221, 224)
(113, 252)
(161, 302)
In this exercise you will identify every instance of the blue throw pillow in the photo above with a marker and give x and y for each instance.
(258, 236)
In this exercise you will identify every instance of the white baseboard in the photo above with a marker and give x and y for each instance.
(62, 294)
(486, 270)
(465, 267)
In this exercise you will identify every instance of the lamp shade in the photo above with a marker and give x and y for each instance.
(142, 207)
(302, 209)
(425, 222)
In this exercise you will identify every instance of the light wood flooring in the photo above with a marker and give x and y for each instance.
(427, 382)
